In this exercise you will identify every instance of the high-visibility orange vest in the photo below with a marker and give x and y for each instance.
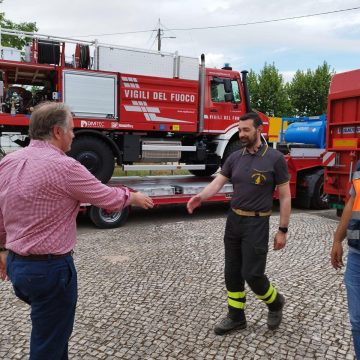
(353, 230)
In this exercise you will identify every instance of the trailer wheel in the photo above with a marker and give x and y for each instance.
(319, 199)
(106, 220)
(95, 155)
(339, 212)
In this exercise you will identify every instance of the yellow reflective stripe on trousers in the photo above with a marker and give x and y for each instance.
(268, 293)
(236, 295)
(236, 304)
(273, 296)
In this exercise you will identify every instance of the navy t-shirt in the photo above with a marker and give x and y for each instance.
(254, 177)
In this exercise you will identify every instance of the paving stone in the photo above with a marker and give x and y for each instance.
(156, 292)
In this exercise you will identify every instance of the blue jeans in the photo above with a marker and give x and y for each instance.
(352, 282)
(50, 288)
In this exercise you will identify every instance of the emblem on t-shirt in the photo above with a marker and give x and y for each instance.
(258, 178)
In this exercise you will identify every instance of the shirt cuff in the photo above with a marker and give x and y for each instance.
(2, 240)
(127, 196)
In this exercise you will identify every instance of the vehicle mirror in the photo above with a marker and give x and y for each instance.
(227, 85)
(229, 97)
(217, 80)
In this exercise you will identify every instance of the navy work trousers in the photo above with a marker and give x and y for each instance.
(246, 246)
(50, 288)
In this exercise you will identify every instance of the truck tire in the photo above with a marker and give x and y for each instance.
(231, 147)
(95, 155)
(319, 199)
(339, 212)
(105, 220)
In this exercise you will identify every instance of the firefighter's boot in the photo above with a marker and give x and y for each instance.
(228, 323)
(275, 302)
(275, 316)
(235, 319)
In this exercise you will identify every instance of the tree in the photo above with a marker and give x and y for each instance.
(269, 92)
(308, 90)
(253, 88)
(15, 41)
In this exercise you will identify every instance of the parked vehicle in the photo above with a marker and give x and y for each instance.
(304, 162)
(142, 109)
(342, 136)
(148, 110)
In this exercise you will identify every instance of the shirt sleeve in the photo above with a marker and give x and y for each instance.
(226, 169)
(281, 171)
(352, 191)
(2, 231)
(86, 188)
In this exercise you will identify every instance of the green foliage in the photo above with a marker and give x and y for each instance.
(268, 91)
(308, 90)
(14, 41)
(253, 88)
(305, 95)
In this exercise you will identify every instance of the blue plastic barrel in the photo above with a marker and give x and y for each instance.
(306, 132)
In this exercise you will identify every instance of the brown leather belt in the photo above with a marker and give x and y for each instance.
(40, 257)
(251, 213)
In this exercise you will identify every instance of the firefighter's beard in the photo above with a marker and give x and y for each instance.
(249, 141)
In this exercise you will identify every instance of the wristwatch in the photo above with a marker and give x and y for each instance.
(283, 229)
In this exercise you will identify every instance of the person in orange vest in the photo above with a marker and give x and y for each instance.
(349, 227)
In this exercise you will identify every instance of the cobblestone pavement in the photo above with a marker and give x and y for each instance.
(156, 291)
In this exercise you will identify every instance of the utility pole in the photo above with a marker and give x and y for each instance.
(160, 35)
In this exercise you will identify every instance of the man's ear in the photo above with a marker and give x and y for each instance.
(56, 132)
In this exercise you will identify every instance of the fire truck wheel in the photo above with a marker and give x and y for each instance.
(319, 199)
(95, 155)
(231, 147)
(108, 220)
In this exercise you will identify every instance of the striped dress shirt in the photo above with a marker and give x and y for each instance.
(41, 189)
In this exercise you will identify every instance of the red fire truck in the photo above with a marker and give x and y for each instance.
(144, 109)
(342, 136)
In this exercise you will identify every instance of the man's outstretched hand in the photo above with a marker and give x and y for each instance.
(193, 203)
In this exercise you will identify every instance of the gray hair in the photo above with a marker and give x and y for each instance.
(45, 116)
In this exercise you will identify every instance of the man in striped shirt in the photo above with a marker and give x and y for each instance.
(40, 192)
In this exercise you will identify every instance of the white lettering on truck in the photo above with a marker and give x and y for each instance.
(159, 96)
(137, 94)
(182, 97)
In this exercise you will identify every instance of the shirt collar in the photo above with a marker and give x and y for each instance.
(260, 151)
(43, 144)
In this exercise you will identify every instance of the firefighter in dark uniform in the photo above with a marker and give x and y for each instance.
(255, 171)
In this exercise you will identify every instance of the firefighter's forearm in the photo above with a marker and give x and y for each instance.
(213, 188)
(285, 204)
(285, 209)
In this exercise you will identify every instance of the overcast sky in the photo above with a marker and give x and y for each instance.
(292, 44)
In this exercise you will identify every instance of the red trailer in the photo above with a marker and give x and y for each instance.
(342, 136)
